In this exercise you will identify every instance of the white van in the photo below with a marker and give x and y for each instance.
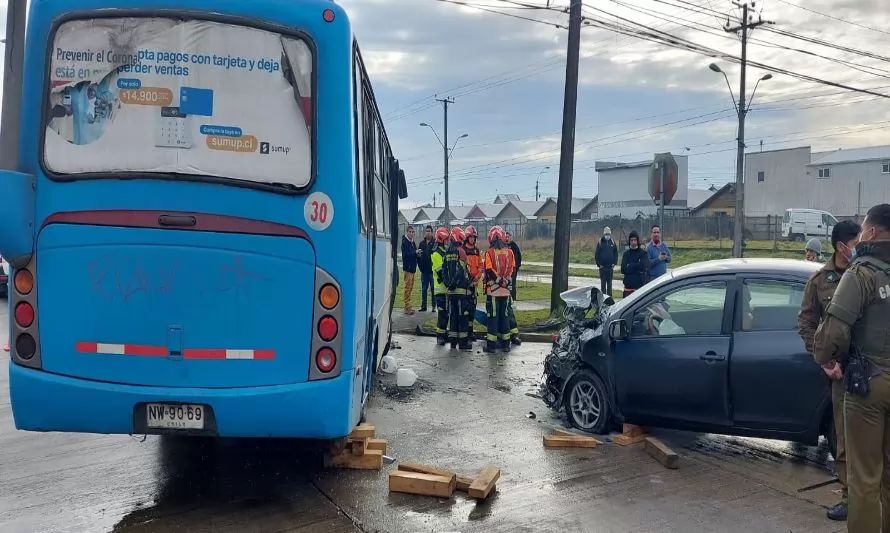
(801, 224)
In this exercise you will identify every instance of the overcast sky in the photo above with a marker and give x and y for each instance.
(507, 77)
(636, 97)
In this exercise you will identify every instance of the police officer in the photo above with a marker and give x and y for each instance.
(853, 337)
(816, 297)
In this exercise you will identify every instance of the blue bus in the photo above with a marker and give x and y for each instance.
(202, 223)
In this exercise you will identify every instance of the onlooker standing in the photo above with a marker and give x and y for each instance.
(634, 265)
(659, 254)
(816, 296)
(409, 266)
(606, 257)
(813, 250)
(517, 258)
(425, 254)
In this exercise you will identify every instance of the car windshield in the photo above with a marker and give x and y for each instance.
(637, 294)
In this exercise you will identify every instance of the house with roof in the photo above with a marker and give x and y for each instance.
(516, 215)
(845, 182)
(582, 209)
(484, 212)
(624, 188)
(716, 201)
(504, 198)
(407, 216)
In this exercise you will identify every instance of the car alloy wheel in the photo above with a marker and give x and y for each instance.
(586, 403)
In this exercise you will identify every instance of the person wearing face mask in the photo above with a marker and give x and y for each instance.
(813, 250)
(816, 296)
(606, 257)
(634, 265)
(853, 339)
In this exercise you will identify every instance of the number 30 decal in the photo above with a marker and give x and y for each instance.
(319, 211)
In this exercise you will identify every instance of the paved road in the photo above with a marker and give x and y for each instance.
(465, 412)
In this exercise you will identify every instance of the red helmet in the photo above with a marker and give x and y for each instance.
(495, 233)
(470, 231)
(441, 235)
(458, 235)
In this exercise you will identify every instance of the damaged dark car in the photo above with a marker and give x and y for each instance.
(710, 347)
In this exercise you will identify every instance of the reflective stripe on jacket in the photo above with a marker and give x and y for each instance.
(499, 263)
(438, 257)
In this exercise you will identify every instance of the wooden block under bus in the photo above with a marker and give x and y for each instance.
(377, 444)
(359, 446)
(661, 453)
(624, 440)
(370, 460)
(463, 483)
(555, 441)
(424, 469)
(484, 483)
(362, 431)
(423, 484)
(633, 430)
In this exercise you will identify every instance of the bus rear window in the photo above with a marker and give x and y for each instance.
(162, 95)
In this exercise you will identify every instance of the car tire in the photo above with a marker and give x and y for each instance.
(586, 402)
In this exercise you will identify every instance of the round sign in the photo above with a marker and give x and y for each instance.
(319, 211)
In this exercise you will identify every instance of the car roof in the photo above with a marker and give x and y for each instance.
(788, 267)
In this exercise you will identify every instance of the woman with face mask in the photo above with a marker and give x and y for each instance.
(606, 257)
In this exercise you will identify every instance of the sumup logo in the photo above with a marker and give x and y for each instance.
(267, 148)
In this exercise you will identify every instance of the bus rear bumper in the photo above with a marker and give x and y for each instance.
(313, 410)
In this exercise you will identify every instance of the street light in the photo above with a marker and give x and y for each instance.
(741, 108)
(537, 180)
(447, 154)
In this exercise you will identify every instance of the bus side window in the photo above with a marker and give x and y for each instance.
(370, 159)
(360, 140)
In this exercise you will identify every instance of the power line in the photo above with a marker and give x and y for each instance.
(863, 26)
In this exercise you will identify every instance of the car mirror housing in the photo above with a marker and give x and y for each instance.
(609, 301)
(618, 329)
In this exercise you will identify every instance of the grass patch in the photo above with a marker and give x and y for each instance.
(526, 291)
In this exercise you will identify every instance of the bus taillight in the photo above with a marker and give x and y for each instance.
(327, 328)
(325, 360)
(24, 281)
(329, 296)
(24, 314)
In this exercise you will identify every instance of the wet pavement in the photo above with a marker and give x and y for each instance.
(466, 411)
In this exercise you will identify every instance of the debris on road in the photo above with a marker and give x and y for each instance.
(405, 377)
(631, 434)
(661, 453)
(388, 364)
(565, 439)
(426, 480)
(361, 450)
(532, 415)
(485, 483)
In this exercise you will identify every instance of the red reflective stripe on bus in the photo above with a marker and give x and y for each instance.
(219, 354)
(307, 109)
(121, 349)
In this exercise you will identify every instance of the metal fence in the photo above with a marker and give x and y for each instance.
(675, 228)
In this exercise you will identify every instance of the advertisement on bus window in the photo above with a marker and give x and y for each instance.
(159, 95)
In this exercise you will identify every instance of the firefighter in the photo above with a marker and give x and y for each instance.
(474, 264)
(440, 300)
(498, 272)
(456, 278)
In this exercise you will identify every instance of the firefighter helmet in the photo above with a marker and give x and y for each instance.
(495, 233)
(470, 231)
(458, 235)
(441, 235)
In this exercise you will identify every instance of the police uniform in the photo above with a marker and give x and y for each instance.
(816, 297)
(858, 316)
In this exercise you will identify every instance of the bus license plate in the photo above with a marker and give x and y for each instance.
(174, 416)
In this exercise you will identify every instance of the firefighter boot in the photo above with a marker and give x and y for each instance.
(490, 347)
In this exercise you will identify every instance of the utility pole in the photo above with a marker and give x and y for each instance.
(566, 163)
(747, 23)
(14, 58)
(537, 194)
(446, 214)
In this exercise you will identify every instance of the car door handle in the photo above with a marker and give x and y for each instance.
(712, 356)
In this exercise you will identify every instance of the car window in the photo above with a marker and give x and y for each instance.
(691, 310)
(771, 305)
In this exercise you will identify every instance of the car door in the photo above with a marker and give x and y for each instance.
(672, 369)
(774, 383)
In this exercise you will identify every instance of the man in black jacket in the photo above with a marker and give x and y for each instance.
(425, 260)
(606, 257)
(409, 266)
(517, 258)
(634, 265)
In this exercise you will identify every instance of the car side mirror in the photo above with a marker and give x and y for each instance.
(618, 330)
(609, 300)
(16, 216)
